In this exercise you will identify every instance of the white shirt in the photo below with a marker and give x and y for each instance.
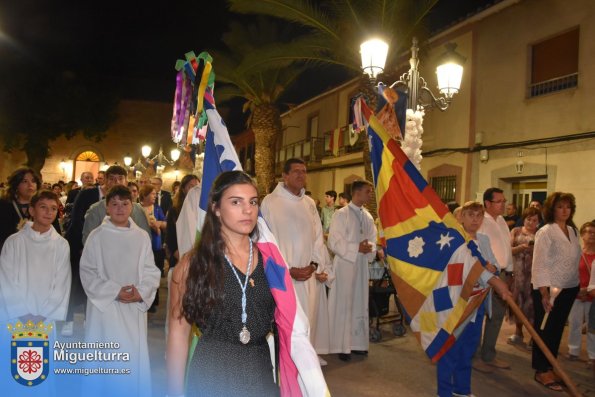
(555, 258)
(499, 235)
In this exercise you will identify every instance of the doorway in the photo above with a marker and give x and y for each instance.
(87, 161)
(523, 192)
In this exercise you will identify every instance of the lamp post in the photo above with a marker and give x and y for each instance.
(127, 160)
(128, 163)
(450, 71)
(63, 168)
(160, 157)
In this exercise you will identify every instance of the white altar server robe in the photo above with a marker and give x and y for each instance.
(348, 297)
(114, 257)
(35, 275)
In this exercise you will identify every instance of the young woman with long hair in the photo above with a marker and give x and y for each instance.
(171, 235)
(221, 287)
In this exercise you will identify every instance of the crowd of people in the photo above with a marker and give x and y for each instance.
(93, 245)
(107, 243)
(539, 257)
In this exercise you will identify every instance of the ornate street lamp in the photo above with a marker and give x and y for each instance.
(450, 71)
(373, 54)
(160, 157)
(127, 160)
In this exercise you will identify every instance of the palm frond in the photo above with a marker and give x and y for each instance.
(279, 55)
(299, 11)
(226, 92)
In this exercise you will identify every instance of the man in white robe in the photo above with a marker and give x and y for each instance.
(294, 221)
(120, 279)
(352, 238)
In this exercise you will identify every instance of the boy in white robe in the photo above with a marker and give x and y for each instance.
(352, 238)
(120, 279)
(35, 281)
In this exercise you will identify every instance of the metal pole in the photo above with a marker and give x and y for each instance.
(413, 74)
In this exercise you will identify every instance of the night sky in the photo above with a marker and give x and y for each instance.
(134, 45)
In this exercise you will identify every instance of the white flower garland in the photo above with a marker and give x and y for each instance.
(411, 145)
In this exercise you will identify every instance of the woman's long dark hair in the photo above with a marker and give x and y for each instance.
(181, 195)
(204, 285)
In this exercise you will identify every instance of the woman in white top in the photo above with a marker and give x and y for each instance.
(555, 265)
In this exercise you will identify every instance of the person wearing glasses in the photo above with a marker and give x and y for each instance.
(494, 226)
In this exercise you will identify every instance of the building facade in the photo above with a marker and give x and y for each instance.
(522, 120)
(138, 123)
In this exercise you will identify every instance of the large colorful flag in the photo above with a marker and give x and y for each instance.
(336, 141)
(426, 247)
(298, 367)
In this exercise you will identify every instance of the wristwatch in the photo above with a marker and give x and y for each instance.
(315, 265)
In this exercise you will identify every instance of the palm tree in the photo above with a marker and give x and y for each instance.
(336, 28)
(260, 85)
(334, 31)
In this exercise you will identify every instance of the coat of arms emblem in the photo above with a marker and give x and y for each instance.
(29, 352)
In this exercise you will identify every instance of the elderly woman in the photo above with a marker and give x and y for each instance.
(522, 240)
(555, 268)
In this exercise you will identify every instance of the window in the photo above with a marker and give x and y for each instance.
(312, 126)
(445, 187)
(87, 156)
(554, 64)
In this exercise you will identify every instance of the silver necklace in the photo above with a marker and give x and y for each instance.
(244, 333)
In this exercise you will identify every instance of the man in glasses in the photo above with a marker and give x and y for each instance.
(495, 227)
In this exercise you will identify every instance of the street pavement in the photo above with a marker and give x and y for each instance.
(396, 366)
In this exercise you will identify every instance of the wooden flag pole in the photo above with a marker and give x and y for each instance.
(572, 390)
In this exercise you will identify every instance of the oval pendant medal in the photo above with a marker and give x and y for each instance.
(245, 335)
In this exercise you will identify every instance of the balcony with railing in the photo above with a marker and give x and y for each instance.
(553, 85)
(316, 149)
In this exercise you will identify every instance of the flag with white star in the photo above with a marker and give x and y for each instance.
(425, 246)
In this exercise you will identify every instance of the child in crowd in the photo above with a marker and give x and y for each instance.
(35, 282)
(454, 368)
(35, 266)
(120, 279)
